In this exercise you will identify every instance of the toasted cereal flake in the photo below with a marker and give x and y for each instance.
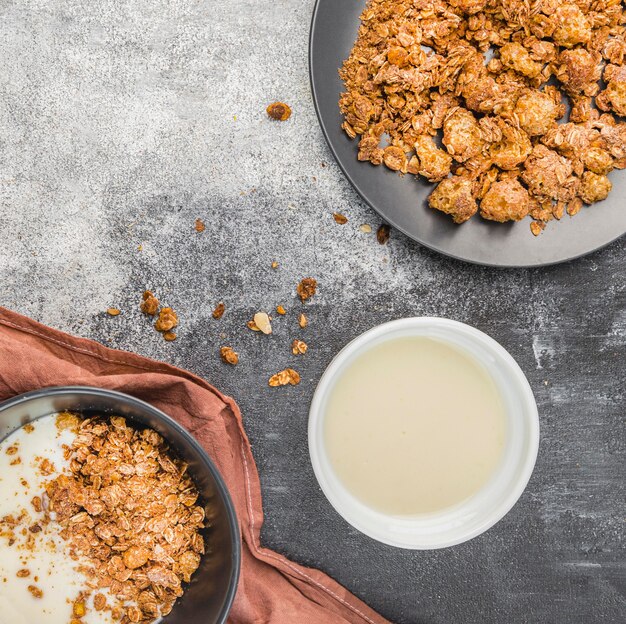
(35, 591)
(299, 347)
(288, 376)
(229, 356)
(167, 320)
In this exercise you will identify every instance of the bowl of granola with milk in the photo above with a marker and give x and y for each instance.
(110, 511)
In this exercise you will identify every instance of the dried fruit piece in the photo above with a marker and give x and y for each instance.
(303, 321)
(306, 288)
(280, 310)
(382, 234)
(262, 321)
(150, 303)
(288, 376)
(339, 218)
(299, 347)
(279, 111)
(199, 225)
(229, 356)
(220, 308)
(113, 311)
(167, 320)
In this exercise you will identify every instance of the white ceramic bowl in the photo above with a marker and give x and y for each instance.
(474, 515)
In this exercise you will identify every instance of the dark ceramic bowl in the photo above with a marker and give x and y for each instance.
(208, 598)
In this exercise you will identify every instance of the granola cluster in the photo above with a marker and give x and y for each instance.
(473, 95)
(129, 507)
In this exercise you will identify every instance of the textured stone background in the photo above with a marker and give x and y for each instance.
(123, 122)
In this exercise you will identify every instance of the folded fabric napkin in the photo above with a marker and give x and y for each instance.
(272, 589)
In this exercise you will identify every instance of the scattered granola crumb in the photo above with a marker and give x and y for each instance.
(170, 336)
(339, 218)
(299, 347)
(220, 308)
(167, 320)
(306, 288)
(113, 311)
(382, 234)
(280, 310)
(28, 428)
(23, 573)
(279, 111)
(199, 225)
(229, 356)
(303, 321)
(262, 321)
(288, 376)
(365, 228)
(150, 303)
(35, 591)
(252, 325)
(274, 265)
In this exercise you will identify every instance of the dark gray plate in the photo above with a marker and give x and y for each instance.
(402, 200)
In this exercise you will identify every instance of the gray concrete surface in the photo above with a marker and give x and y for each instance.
(121, 123)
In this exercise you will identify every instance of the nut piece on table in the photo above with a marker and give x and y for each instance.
(279, 111)
(150, 303)
(229, 356)
(220, 308)
(299, 347)
(306, 288)
(339, 218)
(113, 311)
(262, 322)
(285, 377)
(167, 320)
(303, 321)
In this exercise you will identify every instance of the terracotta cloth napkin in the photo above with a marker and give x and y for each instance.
(272, 589)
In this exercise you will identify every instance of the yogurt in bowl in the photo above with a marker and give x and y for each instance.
(423, 432)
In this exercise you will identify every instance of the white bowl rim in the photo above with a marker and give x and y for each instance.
(321, 467)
